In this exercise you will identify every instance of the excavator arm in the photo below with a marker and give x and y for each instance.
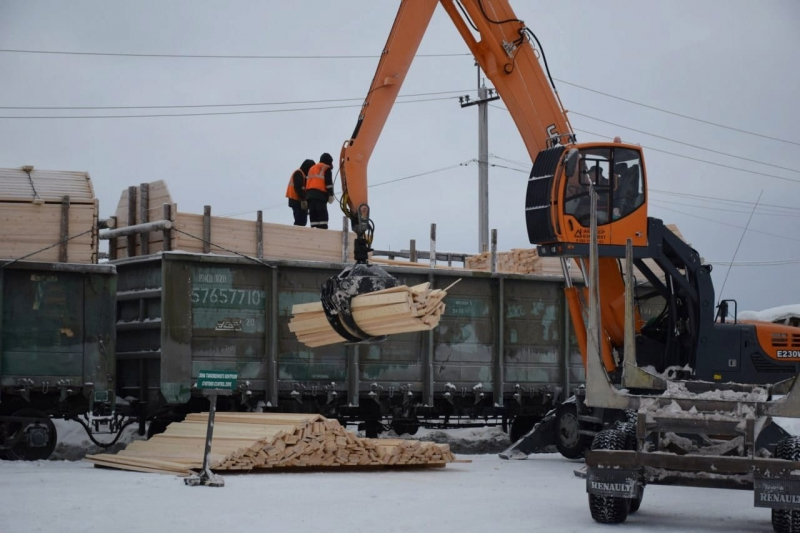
(504, 48)
(501, 45)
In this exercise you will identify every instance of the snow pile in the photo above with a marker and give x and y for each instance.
(772, 314)
(678, 390)
(471, 441)
(73, 443)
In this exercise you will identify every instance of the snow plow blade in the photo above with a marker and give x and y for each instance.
(541, 439)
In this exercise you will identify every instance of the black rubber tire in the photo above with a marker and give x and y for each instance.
(569, 442)
(785, 521)
(607, 509)
(402, 427)
(21, 451)
(520, 426)
(636, 502)
(630, 432)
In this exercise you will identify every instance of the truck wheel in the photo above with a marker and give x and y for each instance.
(783, 520)
(36, 440)
(569, 441)
(636, 502)
(607, 509)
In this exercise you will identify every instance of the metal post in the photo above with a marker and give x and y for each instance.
(167, 232)
(112, 243)
(433, 245)
(345, 240)
(144, 216)
(499, 363)
(2, 270)
(272, 360)
(565, 331)
(131, 239)
(483, 168)
(206, 229)
(427, 366)
(353, 378)
(494, 251)
(412, 253)
(260, 234)
(207, 477)
(143, 393)
(62, 247)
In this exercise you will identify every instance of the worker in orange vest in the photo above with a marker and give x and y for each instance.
(319, 189)
(296, 193)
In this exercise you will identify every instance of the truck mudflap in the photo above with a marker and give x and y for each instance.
(776, 492)
(612, 482)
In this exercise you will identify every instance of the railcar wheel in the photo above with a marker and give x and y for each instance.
(35, 440)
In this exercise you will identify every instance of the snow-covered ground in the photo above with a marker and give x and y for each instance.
(489, 494)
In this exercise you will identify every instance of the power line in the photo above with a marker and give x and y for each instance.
(371, 56)
(211, 113)
(211, 56)
(721, 200)
(767, 214)
(227, 105)
(776, 262)
(699, 160)
(435, 171)
(687, 157)
(678, 114)
(692, 145)
(727, 224)
(724, 281)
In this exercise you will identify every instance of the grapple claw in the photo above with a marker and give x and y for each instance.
(338, 292)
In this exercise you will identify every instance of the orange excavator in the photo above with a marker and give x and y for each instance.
(687, 340)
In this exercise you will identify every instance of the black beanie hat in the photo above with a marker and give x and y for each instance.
(307, 164)
(326, 158)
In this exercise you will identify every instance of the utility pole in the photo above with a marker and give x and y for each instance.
(484, 97)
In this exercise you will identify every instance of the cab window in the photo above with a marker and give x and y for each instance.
(629, 185)
(615, 174)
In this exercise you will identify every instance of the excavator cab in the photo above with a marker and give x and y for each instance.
(557, 201)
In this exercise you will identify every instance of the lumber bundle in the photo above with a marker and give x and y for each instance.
(254, 441)
(517, 260)
(400, 309)
(40, 208)
(279, 241)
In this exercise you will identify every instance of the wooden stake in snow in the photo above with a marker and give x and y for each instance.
(400, 309)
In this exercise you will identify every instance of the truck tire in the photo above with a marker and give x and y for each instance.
(607, 509)
(569, 441)
(783, 520)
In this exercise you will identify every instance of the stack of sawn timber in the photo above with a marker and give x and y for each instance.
(517, 260)
(400, 309)
(248, 441)
(40, 208)
(279, 241)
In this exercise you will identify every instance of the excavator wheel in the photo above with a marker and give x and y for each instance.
(607, 509)
(783, 520)
(569, 441)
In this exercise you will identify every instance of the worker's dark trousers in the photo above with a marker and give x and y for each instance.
(318, 211)
(300, 216)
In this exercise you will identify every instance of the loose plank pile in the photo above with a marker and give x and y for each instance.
(400, 309)
(517, 260)
(254, 441)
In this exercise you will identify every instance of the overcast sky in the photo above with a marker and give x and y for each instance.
(729, 62)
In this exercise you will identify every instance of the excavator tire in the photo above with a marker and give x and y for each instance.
(607, 509)
(783, 520)
(569, 441)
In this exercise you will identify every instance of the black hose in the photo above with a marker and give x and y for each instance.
(480, 4)
(544, 57)
(466, 16)
(97, 442)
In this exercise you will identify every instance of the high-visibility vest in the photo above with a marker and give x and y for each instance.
(291, 194)
(316, 177)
